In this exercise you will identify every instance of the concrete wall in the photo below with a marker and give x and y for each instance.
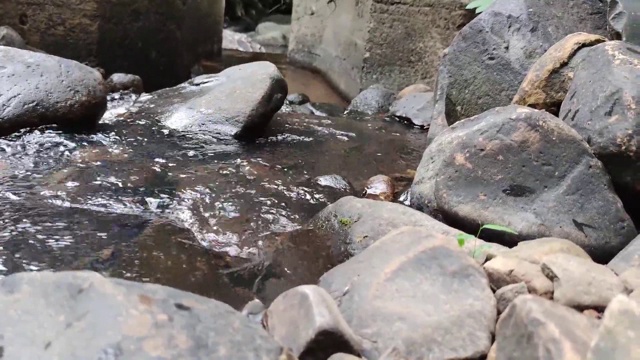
(157, 39)
(364, 42)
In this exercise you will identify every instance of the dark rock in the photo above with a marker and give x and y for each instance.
(416, 108)
(601, 105)
(82, 315)
(503, 271)
(534, 328)
(125, 82)
(580, 283)
(379, 187)
(488, 59)
(624, 17)
(548, 80)
(38, 89)
(11, 38)
(240, 102)
(506, 295)
(413, 89)
(527, 170)
(534, 251)
(354, 224)
(306, 320)
(627, 258)
(374, 100)
(416, 295)
(617, 338)
(297, 99)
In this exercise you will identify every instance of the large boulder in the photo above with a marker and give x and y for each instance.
(82, 315)
(627, 258)
(527, 170)
(238, 102)
(601, 105)
(415, 108)
(617, 338)
(624, 17)
(415, 294)
(38, 89)
(487, 61)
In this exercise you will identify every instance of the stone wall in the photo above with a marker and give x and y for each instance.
(158, 40)
(364, 42)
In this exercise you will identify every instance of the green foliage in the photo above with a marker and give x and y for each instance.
(462, 238)
(345, 221)
(479, 5)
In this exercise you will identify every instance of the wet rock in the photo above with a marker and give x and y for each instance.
(503, 271)
(601, 106)
(125, 82)
(254, 311)
(631, 279)
(240, 102)
(624, 17)
(413, 89)
(354, 224)
(381, 294)
(374, 100)
(379, 187)
(297, 99)
(534, 251)
(534, 328)
(82, 315)
(237, 41)
(617, 338)
(580, 283)
(548, 80)
(11, 38)
(334, 181)
(306, 320)
(527, 170)
(627, 258)
(416, 108)
(273, 35)
(507, 294)
(488, 59)
(32, 95)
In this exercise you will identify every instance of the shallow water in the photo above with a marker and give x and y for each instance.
(139, 201)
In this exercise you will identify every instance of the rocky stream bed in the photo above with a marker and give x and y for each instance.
(251, 213)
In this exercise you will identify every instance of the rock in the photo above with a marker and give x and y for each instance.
(413, 89)
(503, 271)
(416, 108)
(125, 82)
(488, 59)
(379, 187)
(601, 106)
(273, 42)
(32, 95)
(617, 338)
(306, 320)
(527, 170)
(267, 27)
(580, 283)
(156, 40)
(382, 291)
(342, 356)
(11, 38)
(534, 251)
(237, 41)
(82, 315)
(492, 352)
(635, 296)
(297, 99)
(592, 314)
(254, 311)
(374, 100)
(506, 295)
(624, 17)
(240, 102)
(548, 80)
(334, 181)
(534, 328)
(354, 224)
(631, 279)
(627, 258)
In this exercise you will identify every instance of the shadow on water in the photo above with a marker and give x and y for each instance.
(139, 201)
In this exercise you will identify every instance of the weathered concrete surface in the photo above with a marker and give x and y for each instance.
(356, 44)
(159, 40)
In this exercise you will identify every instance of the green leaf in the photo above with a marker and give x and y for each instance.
(479, 5)
(498, 228)
(462, 238)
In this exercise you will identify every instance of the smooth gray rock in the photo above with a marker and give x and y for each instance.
(503, 271)
(38, 89)
(416, 108)
(533, 328)
(627, 258)
(527, 170)
(82, 315)
(580, 283)
(619, 334)
(306, 320)
(254, 310)
(238, 41)
(342, 356)
(507, 294)
(534, 251)
(125, 82)
(624, 17)
(297, 99)
(416, 294)
(11, 38)
(374, 100)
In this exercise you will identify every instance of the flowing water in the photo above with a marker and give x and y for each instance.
(139, 201)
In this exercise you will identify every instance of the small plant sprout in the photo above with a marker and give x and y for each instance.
(462, 238)
(479, 5)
